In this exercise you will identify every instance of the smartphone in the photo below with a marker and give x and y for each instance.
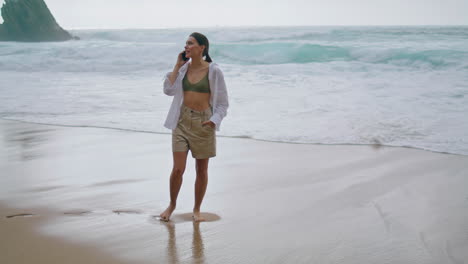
(183, 56)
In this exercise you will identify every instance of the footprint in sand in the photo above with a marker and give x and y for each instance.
(18, 215)
(126, 211)
(78, 212)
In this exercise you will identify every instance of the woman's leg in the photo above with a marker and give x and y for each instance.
(180, 159)
(200, 186)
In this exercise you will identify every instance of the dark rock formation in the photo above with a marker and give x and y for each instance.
(30, 20)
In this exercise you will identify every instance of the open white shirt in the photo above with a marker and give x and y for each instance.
(218, 99)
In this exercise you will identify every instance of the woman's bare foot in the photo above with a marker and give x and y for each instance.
(197, 216)
(167, 213)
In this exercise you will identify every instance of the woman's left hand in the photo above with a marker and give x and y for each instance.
(209, 123)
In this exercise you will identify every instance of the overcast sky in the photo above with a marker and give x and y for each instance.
(207, 13)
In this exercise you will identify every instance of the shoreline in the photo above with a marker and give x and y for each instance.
(94, 192)
(245, 137)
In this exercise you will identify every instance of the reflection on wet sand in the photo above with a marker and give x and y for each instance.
(22, 140)
(172, 255)
(198, 249)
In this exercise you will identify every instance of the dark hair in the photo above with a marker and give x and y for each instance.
(202, 40)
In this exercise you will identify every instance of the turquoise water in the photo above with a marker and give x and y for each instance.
(401, 86)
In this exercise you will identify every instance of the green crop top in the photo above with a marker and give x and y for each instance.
(203, 86)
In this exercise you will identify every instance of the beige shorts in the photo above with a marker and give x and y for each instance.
(190, 134)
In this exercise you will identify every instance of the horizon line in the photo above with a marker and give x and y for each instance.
(266, 26)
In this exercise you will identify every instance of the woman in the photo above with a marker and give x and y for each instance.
(199, 105)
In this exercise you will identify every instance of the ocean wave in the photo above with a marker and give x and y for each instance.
(285, 52)
(279, 53)
(127, 57)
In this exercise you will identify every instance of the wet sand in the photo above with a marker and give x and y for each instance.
(89, 195)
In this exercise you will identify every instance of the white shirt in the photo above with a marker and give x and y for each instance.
(218, 99)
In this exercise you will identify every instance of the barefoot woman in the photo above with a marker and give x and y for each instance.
(200, 103)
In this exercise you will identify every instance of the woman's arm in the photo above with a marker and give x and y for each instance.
(174, 74)
(170, 78)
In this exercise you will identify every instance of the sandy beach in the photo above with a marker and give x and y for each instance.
(89, 195)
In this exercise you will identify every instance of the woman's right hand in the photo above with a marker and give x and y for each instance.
(180, 62)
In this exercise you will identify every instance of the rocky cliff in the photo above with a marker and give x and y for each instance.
(30, 20)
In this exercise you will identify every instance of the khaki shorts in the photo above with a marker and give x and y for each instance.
(190, 134)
